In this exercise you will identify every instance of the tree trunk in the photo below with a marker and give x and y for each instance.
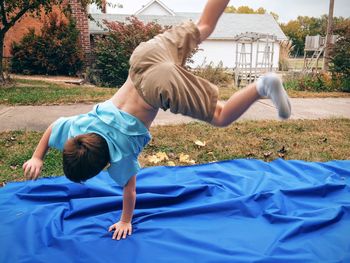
(328, 36)
(2, 77)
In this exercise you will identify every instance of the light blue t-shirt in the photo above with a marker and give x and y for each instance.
(125, 134)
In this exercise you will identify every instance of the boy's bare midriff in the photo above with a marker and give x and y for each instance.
(128, 99)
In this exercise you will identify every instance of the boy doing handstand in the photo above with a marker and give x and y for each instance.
(116, 131)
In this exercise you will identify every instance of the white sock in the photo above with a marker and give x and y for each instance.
(270, 85)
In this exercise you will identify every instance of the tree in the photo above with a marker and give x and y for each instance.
(340, 57)
(230, 9)
(248, 10)
(298, 29)
(329, 34)
(11, 11)
(113, 51)
(245, 10)
(55, 51)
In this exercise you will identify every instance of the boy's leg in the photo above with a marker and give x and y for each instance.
(269, 86)
(239, 102)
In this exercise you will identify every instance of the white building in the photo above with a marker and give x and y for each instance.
(220, 46)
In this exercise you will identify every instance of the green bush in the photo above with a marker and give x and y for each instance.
(320, 82)
(340, 60)
(56, 51)
(217, 75)
(113, 51)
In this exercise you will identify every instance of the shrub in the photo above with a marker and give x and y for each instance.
(217, 75)
(319, 82)
(56, 51)
(113, 51)
(285, 50)
(340, 60)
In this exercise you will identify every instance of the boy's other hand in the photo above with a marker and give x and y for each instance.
(32, 168)
(121, 230)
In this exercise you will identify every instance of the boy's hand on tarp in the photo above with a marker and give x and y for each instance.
(32, 168)
(121, 230)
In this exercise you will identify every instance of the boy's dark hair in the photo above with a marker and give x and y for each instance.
(84, 156)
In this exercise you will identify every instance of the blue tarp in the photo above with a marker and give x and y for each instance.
(232, 211)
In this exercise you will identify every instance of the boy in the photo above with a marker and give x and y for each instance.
(116, 131)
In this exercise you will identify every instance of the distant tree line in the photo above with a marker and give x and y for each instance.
(298, 29)
(249, 10)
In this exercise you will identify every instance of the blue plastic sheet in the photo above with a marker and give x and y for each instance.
(233, 211)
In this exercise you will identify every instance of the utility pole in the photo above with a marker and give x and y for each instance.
(328, 36)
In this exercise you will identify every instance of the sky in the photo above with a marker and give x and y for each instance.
(286, 9)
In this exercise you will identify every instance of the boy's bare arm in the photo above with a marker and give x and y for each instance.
(124, 226)
(210, 16)
(129, 199)
(32, 168)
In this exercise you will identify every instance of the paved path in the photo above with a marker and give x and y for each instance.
(37, 118)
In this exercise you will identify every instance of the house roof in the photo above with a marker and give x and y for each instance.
(228, 26)
(155, 2)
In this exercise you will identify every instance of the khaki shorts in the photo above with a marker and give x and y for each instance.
(156, 69)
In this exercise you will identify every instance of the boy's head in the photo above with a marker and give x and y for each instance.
(84, 156)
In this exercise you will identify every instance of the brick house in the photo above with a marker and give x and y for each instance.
(16, 33)
(221, 46)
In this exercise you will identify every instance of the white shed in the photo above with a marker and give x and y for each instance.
(220, 46)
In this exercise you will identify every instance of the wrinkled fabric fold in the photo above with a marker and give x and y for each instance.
(233, 211)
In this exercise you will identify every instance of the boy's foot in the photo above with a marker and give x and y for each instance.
(270, 85)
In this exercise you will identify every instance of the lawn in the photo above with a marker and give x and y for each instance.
(310, 140)
(298, 63)
(36, 92)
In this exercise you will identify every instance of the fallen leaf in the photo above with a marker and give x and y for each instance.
(153, 159)
(13, 167)
(185, 158)
(158, 157)
(171, 155)
(171, 163)
(199, 143)
(267, 154)
(282, 150)
(323, 140)
(281, 155)
(162, 156)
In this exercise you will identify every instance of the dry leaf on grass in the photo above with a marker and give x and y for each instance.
(185, 158)
(267, 154)
(199, 143)
(281, 155)
(170, 163)
(153, 159)
(162, 156)
(158, 157)
(283, 150)
(13, 167)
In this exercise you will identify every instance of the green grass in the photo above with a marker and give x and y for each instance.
(35, 92)
(298, 63)
(226, 92)
(310, 140)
